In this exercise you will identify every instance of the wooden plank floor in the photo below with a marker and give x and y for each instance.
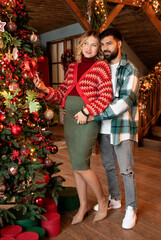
(148, 180)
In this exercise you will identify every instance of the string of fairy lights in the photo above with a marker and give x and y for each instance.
(156, 5)
(97, 10)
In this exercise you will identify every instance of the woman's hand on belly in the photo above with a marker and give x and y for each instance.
(81, 118)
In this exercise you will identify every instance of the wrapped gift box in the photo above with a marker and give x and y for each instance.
(28, 236)
(68, 199)
(52, 225)
(49, 204)
(11, 231)
(39, 230)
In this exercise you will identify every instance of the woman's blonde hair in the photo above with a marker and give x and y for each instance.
(78, 55)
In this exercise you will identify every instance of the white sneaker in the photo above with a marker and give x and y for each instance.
(129, 220)
(112, 204)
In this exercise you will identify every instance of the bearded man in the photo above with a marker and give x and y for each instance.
(119, 128)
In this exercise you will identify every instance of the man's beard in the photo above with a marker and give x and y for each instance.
(112, 56)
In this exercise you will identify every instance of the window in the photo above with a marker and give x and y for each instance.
(56, 49)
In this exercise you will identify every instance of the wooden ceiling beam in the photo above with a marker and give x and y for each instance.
(126, 2)
(77, 14)
(149, 11)
(112, 16)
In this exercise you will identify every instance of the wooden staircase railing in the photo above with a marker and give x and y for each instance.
(149, 107)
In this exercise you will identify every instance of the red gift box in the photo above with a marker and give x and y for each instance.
(11, 231)
(49, 204)
(28, 236)
(52, 225)
(7, 238)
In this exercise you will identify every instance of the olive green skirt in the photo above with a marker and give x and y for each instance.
(80, 139)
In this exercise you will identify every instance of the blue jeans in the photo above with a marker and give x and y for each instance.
(124, 154)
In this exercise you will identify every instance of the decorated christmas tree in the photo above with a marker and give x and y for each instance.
(27, 173)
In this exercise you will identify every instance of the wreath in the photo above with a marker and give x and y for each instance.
(66, 58)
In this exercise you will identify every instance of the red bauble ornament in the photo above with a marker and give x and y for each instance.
(41, 59)
(54, 149)
(16, 130)
(11, 27)
(2, 117)
(39, 201)
(46, 178)
(40, 160)
(48, 162)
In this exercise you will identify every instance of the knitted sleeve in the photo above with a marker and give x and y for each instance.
(57, 95)
(101, 75)
(128, 96)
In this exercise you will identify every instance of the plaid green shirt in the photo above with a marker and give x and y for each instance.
(124, 110)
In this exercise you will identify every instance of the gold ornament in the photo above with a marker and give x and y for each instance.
(13, 87)
(9, 56)
(49, 114)
(32, 150)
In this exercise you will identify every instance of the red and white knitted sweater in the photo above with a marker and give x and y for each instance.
(94, 87)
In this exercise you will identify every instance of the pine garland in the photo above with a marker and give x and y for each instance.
(97, 12)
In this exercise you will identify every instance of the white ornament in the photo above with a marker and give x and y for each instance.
(33, 37)
(15, 53)
(2, 24)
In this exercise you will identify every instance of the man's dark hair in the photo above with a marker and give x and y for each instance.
(111, 32)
